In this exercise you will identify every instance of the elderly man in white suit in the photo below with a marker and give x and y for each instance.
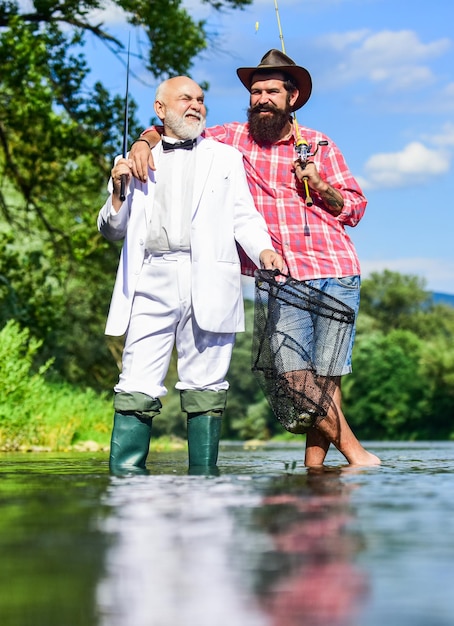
(178, 280)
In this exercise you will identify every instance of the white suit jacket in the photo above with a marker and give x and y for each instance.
(223, 213)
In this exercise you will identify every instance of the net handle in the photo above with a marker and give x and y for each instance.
(275, 272)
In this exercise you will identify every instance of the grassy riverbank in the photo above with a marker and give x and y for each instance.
(39, 414)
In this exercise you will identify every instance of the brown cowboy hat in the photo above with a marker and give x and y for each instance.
(275, 60)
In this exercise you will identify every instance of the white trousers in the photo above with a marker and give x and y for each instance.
(162, 317)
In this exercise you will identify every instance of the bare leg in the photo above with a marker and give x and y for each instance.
(335, 429)
(316, 447)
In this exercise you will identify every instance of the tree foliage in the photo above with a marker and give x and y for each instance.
(393, 299)
(58, 137)
(403, 362)
(389, 390)
(173, 38)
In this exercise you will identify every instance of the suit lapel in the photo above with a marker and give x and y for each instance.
(204, 161)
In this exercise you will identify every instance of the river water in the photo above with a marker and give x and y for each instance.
(263, 543)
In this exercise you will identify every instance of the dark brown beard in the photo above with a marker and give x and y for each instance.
(267, 130)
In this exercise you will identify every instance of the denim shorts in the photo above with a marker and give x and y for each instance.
(302, 342)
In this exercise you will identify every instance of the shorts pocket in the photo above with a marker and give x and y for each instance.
(349, 282)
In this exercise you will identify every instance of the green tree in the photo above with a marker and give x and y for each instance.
(162, 55)
(385, 398)
(58, 138)
(393, 299)
(437, 368)
(403, 362)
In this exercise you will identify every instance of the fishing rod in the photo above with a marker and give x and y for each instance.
(303, 149)
(123, 177)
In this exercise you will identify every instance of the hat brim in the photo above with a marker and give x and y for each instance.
(300, 75)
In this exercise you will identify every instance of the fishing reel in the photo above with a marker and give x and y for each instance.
(303, 149)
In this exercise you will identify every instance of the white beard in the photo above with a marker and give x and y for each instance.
(182, 128)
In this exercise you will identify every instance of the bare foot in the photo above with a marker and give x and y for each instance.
(364, 458)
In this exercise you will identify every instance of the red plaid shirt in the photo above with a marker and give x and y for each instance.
(327, 251)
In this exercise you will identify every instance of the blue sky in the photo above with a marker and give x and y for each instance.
(383, 91)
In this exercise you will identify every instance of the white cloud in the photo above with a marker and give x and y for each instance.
(445, 137)
(438, 100)
(410, 166)
(397, 60)
(437, 273)
(341, 42)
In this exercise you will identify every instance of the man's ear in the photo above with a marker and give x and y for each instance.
(294, 97)
(159, 108)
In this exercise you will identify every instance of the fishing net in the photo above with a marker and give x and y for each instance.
(300, 344)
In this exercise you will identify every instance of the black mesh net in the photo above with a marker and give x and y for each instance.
(300, 344)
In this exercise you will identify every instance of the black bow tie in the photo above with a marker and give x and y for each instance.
(184, 145)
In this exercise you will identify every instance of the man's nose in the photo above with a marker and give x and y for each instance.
(264, 98)
(196, 105)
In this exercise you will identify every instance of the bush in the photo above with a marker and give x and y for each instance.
(36, 413)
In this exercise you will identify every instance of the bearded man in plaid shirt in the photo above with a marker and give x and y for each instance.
(311, 236)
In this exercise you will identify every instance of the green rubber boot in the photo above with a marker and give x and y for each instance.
(204, 433)
(130, 443)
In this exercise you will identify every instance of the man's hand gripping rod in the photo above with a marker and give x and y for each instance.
(303, 150)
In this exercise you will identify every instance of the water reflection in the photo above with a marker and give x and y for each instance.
(256, 545)
(310, 578)
(171, 560)
(51, 549)
(237, 549)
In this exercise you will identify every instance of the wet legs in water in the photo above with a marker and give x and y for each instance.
(334, 429)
